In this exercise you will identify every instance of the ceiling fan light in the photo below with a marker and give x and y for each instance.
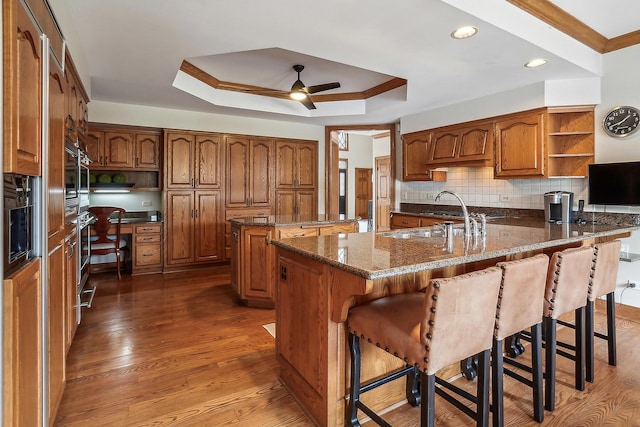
(464, 32)
(298, 95)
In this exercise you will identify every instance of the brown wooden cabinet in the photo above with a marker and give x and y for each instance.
(520, 146)
(56, 158)
(77, 99)
(415, 151)
(570, 141)
(253, 265)
(22, 82)
(299, 204)
(193, 160)
(464, 144)
(71, 286)
(400, 220)
(123, 148)
(249, 172)
(193, 229)
(22, 346)
(296, 164)
(56, 326)
(236, 214)
(147, 249)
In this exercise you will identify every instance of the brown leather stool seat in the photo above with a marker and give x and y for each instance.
(454, 319)
(520, 304)
(605, 274)
(568, 282)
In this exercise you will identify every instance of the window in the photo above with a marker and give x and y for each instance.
(343, 141)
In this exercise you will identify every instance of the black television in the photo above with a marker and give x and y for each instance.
(614, 184)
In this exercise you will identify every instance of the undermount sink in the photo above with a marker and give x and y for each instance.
(421, 233)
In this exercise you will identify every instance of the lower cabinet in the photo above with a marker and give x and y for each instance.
(56, 327)
(71, 286)
(399, 220)
(253, 261)
(299, 204)
(22, 347)
(193, 229)
(147, 249)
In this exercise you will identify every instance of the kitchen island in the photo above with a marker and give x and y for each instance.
(320, 278)
(253, 259)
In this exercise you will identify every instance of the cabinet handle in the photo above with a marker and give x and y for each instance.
(192, 182)
(496, 167)
(267, 238)
(196, 213)
(100, 161)
(72, 246)
(137, 161)
(147, 254)
(147, 238)
(106, 160)
(70, 124)
(191, 213)
(235, 236)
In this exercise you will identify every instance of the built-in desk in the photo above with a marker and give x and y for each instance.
(145, 246)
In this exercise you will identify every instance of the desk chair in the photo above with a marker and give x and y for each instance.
(105, 243)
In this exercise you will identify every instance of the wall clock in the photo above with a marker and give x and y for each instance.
(621, 121)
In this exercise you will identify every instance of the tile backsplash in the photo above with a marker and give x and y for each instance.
(477, 187)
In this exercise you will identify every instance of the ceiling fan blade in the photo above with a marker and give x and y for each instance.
(307, 102)
(321, 88)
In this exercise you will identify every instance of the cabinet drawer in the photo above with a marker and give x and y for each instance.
(142, 229)
(336, 229)
(404, 221)
(147, 254)
(287, 233)
(150, 238)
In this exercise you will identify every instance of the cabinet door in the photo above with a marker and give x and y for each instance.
(306, 164)
(208, 161)
(415, 149)
(56, 160)
(179, 223)
(179, 160)
(118, 150)
(260, 170)
(72, 105)
(237, 172)
(476, 143)
(147, 151)
(95, 147)
(71, 287)
(56, 326)
(307, 205)
(259, 264)
(22, 323)
(285, 165)
(22, 97)
(520, 147)
(285, 203)
(208, 226)
(443, 147)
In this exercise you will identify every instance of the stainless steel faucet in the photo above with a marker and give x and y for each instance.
(465, 212)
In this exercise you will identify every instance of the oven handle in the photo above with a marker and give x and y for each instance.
(91, 291)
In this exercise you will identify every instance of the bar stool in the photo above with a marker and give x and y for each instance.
(452, 320)
(520, 304)
(604, 283)
(568, 282)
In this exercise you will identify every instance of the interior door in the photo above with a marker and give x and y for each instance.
(364, 191)
(384, 182)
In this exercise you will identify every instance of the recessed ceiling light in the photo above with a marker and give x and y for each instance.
(464, 32)
(535, 63)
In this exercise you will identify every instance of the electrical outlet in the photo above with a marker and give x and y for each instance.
(633, 284)
(146, 203)
(505, 197)
(431, 196)
(405, 195)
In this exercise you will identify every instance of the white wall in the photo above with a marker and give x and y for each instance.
(360, 155)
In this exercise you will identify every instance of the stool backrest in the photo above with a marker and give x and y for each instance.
(606, 268)
(459, 316)
(568, 281)
(520, 301)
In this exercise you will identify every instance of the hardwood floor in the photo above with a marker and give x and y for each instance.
(178, 350)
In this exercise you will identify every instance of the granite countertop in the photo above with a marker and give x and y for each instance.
(378, 255)
(290, 220)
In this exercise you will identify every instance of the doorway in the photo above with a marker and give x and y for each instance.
(332, 154)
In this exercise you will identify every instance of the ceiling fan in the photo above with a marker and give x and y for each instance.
(300, 92)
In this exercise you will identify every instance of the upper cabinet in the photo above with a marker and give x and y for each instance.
(194, 160)
(23, 58)
(469, 143)
(296, 164)
(520, 146)
(415, 150)
(570, 140)
(116, 148)
(77, 120)
(249, 172)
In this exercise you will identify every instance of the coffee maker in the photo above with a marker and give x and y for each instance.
(558, 206)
